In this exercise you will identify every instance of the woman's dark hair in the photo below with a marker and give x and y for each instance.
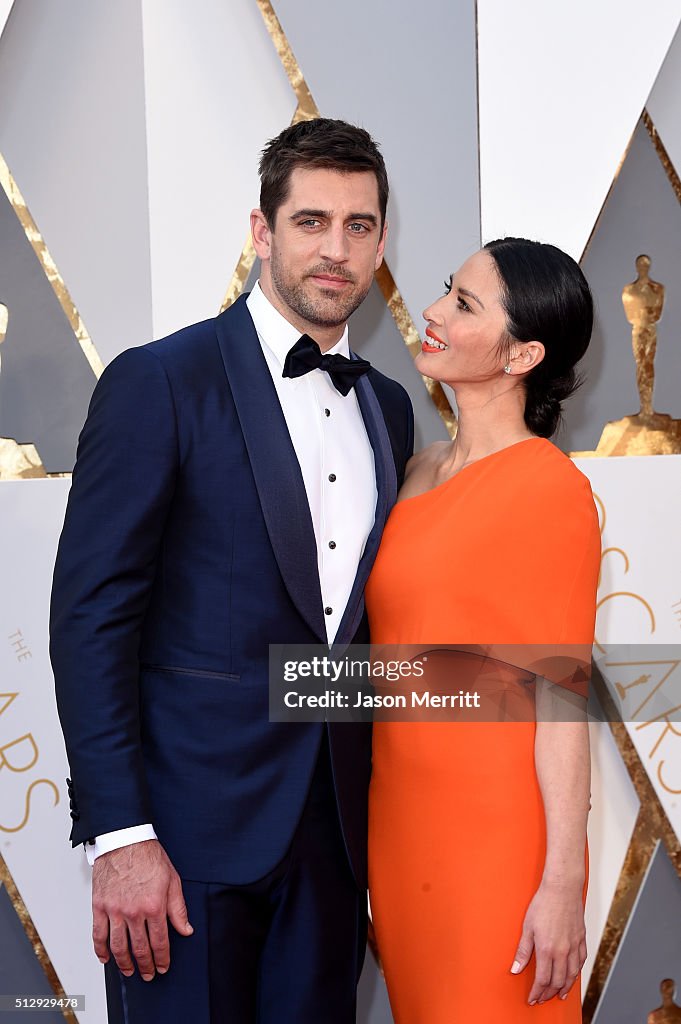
(320, 142)
(546, 298)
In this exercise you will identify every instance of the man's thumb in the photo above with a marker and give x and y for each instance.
(177, 909)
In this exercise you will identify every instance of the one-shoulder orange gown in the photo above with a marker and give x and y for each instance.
(507, 551)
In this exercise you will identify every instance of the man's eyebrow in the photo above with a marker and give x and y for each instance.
(309, 213)
(470, 295)
(371, 217)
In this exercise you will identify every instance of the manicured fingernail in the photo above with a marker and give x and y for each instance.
(147, 977)
(161, 970)
(532, 1002)
(516, 967)
(564, 996)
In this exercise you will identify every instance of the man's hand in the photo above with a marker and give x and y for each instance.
(134, 890)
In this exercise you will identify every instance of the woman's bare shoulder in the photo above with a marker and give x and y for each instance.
(422, 467)
(427, 457)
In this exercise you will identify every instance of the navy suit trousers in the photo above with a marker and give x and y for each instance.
(287, 949)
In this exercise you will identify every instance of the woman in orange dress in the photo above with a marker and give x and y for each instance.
(477, 830)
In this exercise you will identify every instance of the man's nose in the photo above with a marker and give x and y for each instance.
(334, 247)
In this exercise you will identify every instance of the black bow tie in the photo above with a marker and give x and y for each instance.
(306, 355)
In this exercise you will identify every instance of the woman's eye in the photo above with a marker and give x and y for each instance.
(462, 304)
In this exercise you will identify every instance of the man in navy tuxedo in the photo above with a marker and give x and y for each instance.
(230, 489)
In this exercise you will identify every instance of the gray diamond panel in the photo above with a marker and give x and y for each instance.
(642, 215)
(45, 381)
(650, 949)
(20, 972)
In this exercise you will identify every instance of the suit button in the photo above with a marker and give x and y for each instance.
(332, 477)
(328, 611)
(332, 544)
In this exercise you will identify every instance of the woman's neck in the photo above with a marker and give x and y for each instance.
(487, 422)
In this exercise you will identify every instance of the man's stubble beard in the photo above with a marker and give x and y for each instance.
(332, 311)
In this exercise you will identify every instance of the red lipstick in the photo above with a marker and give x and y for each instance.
(425, 347)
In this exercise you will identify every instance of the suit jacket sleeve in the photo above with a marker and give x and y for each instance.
(106, 563)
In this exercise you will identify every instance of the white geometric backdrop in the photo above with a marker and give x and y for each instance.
(133, 131)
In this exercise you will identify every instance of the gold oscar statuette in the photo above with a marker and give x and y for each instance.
(643, 301)
(669, 1012)
(647, 432)
(17, 461)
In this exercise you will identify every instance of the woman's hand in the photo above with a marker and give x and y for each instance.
(554, 928)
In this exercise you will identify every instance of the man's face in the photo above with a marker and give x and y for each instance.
(319, 260)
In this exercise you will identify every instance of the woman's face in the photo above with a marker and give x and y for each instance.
(465, 326)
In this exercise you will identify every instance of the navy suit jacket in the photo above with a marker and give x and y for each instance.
(187, 548)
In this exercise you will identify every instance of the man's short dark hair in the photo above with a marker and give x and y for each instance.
(321, 142)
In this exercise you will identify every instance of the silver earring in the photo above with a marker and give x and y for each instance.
(507, 369)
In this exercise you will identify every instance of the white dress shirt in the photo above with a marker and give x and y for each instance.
(337, 465)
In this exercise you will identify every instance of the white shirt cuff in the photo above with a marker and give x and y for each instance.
(115, 840)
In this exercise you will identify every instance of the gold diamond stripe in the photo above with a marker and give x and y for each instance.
(33, 937)
(240, 275)
(642, 845)
(307, 108)
(412, 340)
(52, 274)
(662, 153)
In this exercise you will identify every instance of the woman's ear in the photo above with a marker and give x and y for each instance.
(524, 357)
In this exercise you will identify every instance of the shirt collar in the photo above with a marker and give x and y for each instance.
(276, 332)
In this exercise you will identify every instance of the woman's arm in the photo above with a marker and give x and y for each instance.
(554, 923)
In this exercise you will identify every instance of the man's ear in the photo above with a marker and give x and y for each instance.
(261, 234)
(381, 246)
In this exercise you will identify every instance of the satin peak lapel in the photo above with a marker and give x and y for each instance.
(273, 461)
